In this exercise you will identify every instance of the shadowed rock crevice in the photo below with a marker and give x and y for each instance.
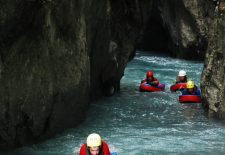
(176, 27)
(155, 36)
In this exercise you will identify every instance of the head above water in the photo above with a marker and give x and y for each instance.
(190, 84)
(94, 140)
(182, 73)
(149, 74)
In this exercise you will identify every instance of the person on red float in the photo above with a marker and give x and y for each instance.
(191, 89)
(150, 79)
(94, 146)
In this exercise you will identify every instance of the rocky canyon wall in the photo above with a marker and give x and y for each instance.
(57, 56)
(177, 27)
(45, 69)
(213, 79)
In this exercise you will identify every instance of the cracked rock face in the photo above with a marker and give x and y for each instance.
(213, 75)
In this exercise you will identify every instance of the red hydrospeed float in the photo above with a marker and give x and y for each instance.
(178, 86)
(190, 99)
(150, 88)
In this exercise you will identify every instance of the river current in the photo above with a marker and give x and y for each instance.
(144, 123)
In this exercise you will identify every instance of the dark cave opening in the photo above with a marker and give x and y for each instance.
(155, 36)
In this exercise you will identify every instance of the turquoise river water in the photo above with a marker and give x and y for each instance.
(143, 123)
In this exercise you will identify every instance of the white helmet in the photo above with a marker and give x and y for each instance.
(94, 140)
(182, 73)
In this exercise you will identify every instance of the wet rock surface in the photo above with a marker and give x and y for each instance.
(213, 83)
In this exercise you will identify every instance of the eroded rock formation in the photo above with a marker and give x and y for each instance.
(57, 56)
(213, 75)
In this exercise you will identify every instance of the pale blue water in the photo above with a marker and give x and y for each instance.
(143, 123)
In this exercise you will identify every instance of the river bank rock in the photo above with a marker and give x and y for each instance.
(213, 80)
